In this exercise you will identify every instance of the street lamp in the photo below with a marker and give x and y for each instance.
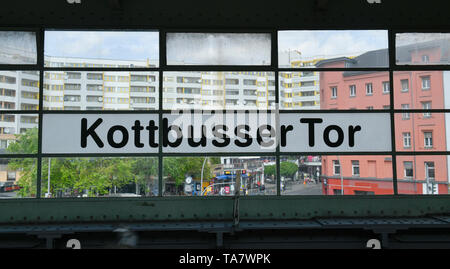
(48, 182)
(342, 178)
(201, 176)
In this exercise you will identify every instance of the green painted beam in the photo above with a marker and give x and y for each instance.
(217, 208)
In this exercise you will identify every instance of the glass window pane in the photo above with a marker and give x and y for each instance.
(422, 131)
(183, 176)
(422, 48)
(99, 177)
(219, 90)
(101, 49)
(422, 89)
(91, 90)
(423, 174)
(331, 49)
(334, 90)
(17, 47)
(328, 175)
(18, 178)
(218, 49)
(18, 133)
(19, 90)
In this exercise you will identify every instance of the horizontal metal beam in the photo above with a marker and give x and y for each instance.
(119, 210)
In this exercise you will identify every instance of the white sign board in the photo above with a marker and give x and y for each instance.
(216, 133)
(340, 132)
(95, 133)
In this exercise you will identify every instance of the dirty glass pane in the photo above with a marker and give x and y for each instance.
(218, 49)
(331, 49)
(422, 48)
(103, 49)
(99, 177)
(18, 178)
(183, 176)
(423, 174)
(17, 47)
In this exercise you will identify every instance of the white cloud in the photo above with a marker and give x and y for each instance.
(315, 44)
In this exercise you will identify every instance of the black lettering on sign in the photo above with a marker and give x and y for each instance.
(238, 132)
(223, 136)
(284, 131)
(326, 136)
(260, 135)
(351, 134)
(191, 141)
(167, 129)
(85, 133)
(311, 122)
(137, 128)
(152, 128)
(125, 136)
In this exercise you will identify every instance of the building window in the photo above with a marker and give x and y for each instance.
(426, 105)
(405, 85)
(386, 87)
(333, 92)
(369, 89)
(407, 140)
(409, 171)
(428, 139)
(426, 83)
(352, 90)
(405, 115)
(429, 171)
(355, 168)
(336, 168)
(370, 107)
(425, 58)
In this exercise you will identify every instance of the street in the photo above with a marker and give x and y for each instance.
(303, 189)
(7, 195)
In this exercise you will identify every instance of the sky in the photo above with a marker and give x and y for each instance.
(104, 45)
(330, 44)
(202, 48)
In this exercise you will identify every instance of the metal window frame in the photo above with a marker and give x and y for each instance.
(273, 67)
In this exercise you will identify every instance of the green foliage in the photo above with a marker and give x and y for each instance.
(25, 143)
(97, 175)
(270, 170)
(177, 168)
(287, 169)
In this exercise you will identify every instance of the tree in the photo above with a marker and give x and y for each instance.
(145, 172)
(179, 167)
(97, 175)
(25, 143)
(287, 169)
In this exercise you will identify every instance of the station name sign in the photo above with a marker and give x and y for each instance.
(216, 132)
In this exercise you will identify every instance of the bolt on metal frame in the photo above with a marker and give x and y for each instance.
(163, 67)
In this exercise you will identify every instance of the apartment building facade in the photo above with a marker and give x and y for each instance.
(424, 132)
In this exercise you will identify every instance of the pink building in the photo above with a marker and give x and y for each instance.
(418, 174)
